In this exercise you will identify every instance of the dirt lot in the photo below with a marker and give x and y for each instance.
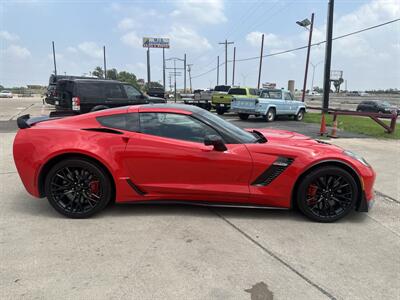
(180, 252)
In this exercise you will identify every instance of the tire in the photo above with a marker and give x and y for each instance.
(243, 117)
(99, 107)
(77, 188)
(327, 194)
(220, 111)
(299, 116)
(270, 116)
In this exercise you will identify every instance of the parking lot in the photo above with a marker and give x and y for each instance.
(184, 252)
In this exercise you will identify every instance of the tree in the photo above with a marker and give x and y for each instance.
(153, 84)
(1, 87)
(112, 74)
(127, 77)
(98, 72)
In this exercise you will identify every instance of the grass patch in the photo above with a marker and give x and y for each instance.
(363, 125)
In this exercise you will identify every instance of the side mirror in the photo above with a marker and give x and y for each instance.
(216, 141)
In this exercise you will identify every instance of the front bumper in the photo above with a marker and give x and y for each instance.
(365, 204)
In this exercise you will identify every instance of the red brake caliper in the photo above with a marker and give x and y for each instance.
(311, 193)
(94, 186)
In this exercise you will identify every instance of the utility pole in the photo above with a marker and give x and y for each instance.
(54, 59)
(163, 67)
(303, 96)
(189, 69)
(233, 66)
(261, 57)
(104, 61)
(313, 72)
(148, 66)
(328, 56)
(217, 70)
(174, 59)
(175, 79)
(226, 43)
(184, 73)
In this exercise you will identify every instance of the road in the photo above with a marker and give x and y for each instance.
(182, 252)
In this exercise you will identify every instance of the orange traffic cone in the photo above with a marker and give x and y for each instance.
(334, 130)
(322, 130)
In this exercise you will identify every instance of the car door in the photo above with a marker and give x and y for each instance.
(168, 159)
(289, 105)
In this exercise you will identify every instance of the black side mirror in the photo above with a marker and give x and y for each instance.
(216, 141)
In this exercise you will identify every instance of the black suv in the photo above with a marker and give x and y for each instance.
(377, 106)
(85, 95)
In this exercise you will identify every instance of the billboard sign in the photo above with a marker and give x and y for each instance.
(155, 42)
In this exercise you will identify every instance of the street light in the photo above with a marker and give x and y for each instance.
(305, 23)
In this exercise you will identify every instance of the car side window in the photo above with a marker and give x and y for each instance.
(129, 122)
(175, 126)
(131, 92)
(114, 90)
(288, 96)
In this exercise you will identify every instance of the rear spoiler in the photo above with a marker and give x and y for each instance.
(26, 121)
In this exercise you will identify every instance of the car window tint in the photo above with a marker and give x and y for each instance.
(131, 92)
(128, 122)
(91, 90)
(237, 91)
(175, 126)
(114, 90)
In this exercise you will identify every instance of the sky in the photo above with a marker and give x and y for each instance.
(370, 60)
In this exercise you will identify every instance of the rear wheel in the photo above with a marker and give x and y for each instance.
(327, 194)
(243, 116)
(270, 116)
(220, 110)
(77, 188)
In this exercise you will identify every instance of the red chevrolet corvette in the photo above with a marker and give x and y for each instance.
(183, 154)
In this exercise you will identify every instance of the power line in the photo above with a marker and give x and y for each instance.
(302, 47)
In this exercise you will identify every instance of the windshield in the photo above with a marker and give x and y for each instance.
(237, 91)
(228, 128)
(222, 88)
(386, 104)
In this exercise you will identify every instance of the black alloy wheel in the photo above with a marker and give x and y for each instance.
(327, 194)
(77, 188)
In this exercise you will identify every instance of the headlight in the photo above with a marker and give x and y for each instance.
(356, 157)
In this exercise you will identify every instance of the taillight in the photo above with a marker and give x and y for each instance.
(76, 103)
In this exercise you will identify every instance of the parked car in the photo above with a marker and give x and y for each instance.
(85, 95)
(271, 103)
(158, 92)
(159, 152)
(6, 94)
(51, 88)
(201, 99)
(378, 107)
(222, 102)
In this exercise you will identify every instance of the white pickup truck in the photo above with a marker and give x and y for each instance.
(271, 103)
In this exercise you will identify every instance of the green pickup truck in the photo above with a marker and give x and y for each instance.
(222, 102)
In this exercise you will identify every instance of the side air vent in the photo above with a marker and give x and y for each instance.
(105, 130)
(273, 171)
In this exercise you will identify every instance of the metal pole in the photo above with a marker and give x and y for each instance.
(163, 59)
(233, 67)
(217, 70)
(189, 66)
(148, 67)
(226, 62)
(54, 59)
(303, 96)
(312, 80)
(184, 73)
(104, 59)
(328, 56)
(261, 57)
(175, 79)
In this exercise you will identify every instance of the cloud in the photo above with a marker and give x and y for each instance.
(127, 24)
(72, 50)
(16, 52)
(203, 11)
(90, 49)
(4, 34)
(270, 40)
(186, 38)
(132, 39)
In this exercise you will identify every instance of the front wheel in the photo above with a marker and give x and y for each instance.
(220, 110)
(300, 115)
(243, 117)
(327, 194)
(77, 188)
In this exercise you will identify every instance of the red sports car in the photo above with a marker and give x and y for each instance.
(165, 153)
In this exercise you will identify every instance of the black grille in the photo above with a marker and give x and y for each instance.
(273, 171)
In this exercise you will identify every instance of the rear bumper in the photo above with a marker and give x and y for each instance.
(243, 111)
